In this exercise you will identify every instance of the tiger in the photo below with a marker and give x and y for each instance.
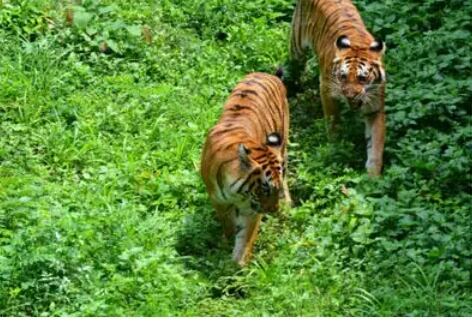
(244, 159)
(351, 67)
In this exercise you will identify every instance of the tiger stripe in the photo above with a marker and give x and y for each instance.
(244, 156)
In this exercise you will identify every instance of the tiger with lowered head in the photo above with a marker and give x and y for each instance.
(244, 158)
(351, 68)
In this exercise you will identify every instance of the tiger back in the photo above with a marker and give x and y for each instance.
(244, 158)
(351, 68)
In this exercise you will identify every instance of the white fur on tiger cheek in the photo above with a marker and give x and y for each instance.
(362, 71)
(344, 68)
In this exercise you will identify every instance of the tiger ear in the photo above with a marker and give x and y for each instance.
(243, 155)
(377, 46)
(343, 42)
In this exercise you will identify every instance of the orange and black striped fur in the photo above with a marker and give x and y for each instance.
(351, 68)
(244, 159)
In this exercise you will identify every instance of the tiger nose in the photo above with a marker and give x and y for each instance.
(271, 205)
(351, 93)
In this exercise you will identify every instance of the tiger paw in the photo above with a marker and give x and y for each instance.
(373, 172)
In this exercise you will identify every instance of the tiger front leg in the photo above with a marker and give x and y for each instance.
(247, 227)
(330, 110)
(285, 189)
(286, 194)
(375, 138)
(226, 215)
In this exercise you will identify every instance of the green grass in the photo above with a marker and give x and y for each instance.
(102, 209)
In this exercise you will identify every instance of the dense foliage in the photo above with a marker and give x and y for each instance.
(104, 106)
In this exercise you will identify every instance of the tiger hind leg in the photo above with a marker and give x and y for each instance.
(247, 227)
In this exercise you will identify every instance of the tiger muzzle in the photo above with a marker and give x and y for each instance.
(353, 98)
(270, 204)
(271, 208)
(355, 103)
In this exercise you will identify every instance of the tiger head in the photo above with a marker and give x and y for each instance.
(264, 169)
(357, 72)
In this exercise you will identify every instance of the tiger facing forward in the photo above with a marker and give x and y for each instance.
(350, 61)
(244, 159)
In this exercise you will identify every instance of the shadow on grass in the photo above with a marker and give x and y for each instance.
(204, 249)
(200, 241)
(309, 150)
